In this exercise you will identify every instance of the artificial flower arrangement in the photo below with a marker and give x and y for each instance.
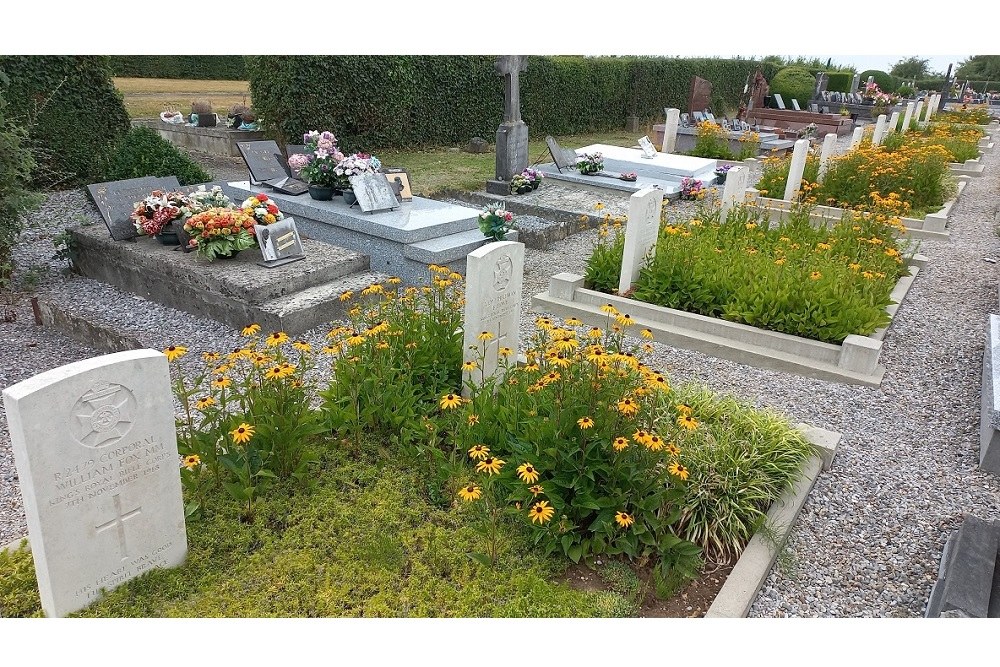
(520, 184)
(722, 172)
(880, 101)
(220, 232)
(317, 165)
(692, 188)
(533, 176)
(262, 209)
(355, 164)
(201, 200)
(157, 211)
(495, 221)
(630, 176)
(590, 163)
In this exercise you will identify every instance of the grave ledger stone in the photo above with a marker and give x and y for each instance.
(641, 232)
(116, 201)
(96, 454)
(494, 277)
(512, 135)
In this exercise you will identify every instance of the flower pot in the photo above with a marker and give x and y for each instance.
(720, 177)
(167, 236)
(231, 255)
(349, 197)
(535, 184)
(321, 192)
(524, 189)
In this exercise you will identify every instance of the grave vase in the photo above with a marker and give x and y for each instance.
(349, 197)
(168, 235)
(321, 192)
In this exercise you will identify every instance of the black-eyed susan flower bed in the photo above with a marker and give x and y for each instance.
(356, 480)
(910, 183)
(792, 296)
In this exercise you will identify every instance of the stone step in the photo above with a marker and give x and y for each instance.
(451, 248)
(969, 574)
(303, 310)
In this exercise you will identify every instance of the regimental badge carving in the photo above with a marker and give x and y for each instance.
(502, 273)
(103, 416)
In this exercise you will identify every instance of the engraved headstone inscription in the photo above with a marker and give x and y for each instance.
(116, 200)
(96, 455)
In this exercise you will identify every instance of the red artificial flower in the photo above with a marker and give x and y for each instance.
(272, 209)
(262, 197)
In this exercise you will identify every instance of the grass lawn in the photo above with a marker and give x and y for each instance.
(364, 541)
(146, 98)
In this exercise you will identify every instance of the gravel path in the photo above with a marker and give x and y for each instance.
(870, 536)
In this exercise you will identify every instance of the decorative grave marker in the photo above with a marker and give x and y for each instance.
(917, 110)
(96, 454)
(279, 243)
(780, 102)
(699, 96)
(829, 142)
(795, 105)
(641, 232)
(116, 200)
(263, 159)
(799, 153)
(670, 130)
(855, 82)
(373, 192)
(893, 122)
(494, 276)
(734, 189)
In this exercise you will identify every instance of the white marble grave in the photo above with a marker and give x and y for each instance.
(670, 130)
(859, 134)
(796, 169)
(641, 232)
(664, 166)
(907, 116)
(829, 143)
(96, 454)
(880, 128)
(494, 277)
(734, 189)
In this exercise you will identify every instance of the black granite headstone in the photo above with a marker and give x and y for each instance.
(264, 160)
(116, 200)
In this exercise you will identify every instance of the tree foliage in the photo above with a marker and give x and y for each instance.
(980, 68)
(911, 68)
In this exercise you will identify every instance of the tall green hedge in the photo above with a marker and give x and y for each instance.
(73, 113)
(839, 82)
(794, 83)
(180, 67)
(886, 82)
(377, 102)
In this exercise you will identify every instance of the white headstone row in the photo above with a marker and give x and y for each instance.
(829, 143)
(795, 170)
(641, 232)
(96, 455)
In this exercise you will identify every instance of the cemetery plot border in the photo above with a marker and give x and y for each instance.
(931, 226)
(855, 361)
(972, 168)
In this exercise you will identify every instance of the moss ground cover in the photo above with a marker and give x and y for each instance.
(306, 497)
(817, 282)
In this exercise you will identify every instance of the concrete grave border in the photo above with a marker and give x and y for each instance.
(855, 361)
(931, 226)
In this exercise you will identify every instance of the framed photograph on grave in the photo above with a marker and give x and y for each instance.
(373, 193)
(279, 243)
(402, 177)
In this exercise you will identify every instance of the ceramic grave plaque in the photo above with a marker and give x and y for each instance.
(96, 454)
(648, 149)
(494, 275)
(116, 200)
(279, 243)
(641, 232)
(373, 192)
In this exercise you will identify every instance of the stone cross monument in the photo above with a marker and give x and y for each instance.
(512, 135)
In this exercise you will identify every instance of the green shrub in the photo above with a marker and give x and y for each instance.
(839, 81)
(16, 164)
(143, 152)
(711, 141)
(885, 81)
(794, 83)
(229, 68)
(377, 102)
(74, 114)
(905, 91)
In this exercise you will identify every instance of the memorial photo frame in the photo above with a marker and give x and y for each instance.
(401, 176)
(279, 243)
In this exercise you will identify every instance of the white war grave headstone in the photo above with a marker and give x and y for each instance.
(893, 121)
(907, 116)
(917, 110)
(641, 232)
(494, 276)
(859, 134)
(670, 130)
(734, 190)
(797, 167)
(829, 142)
(96, 454)
(880, 128)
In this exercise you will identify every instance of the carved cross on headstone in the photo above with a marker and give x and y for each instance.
(119, 523)
(510, 67)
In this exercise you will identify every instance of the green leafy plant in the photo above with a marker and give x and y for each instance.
(793, 83)
(143, 152)
(16, 165)
(711, 141)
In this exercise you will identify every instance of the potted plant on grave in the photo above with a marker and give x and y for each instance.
(495, 221)
(691, 189)
(721, 173)
(355, 164)
(316, 166)
(590, 163)
(262, 209)
(220, 233)
(154, 216)
(533, 176)
(520, 184)
(202, 114)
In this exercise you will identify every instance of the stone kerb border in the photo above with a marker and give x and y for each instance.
(989, 420)
(754, 565)
(973, 167)
(931, 226)
(855, 361)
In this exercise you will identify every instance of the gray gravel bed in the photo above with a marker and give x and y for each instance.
(868, 540)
